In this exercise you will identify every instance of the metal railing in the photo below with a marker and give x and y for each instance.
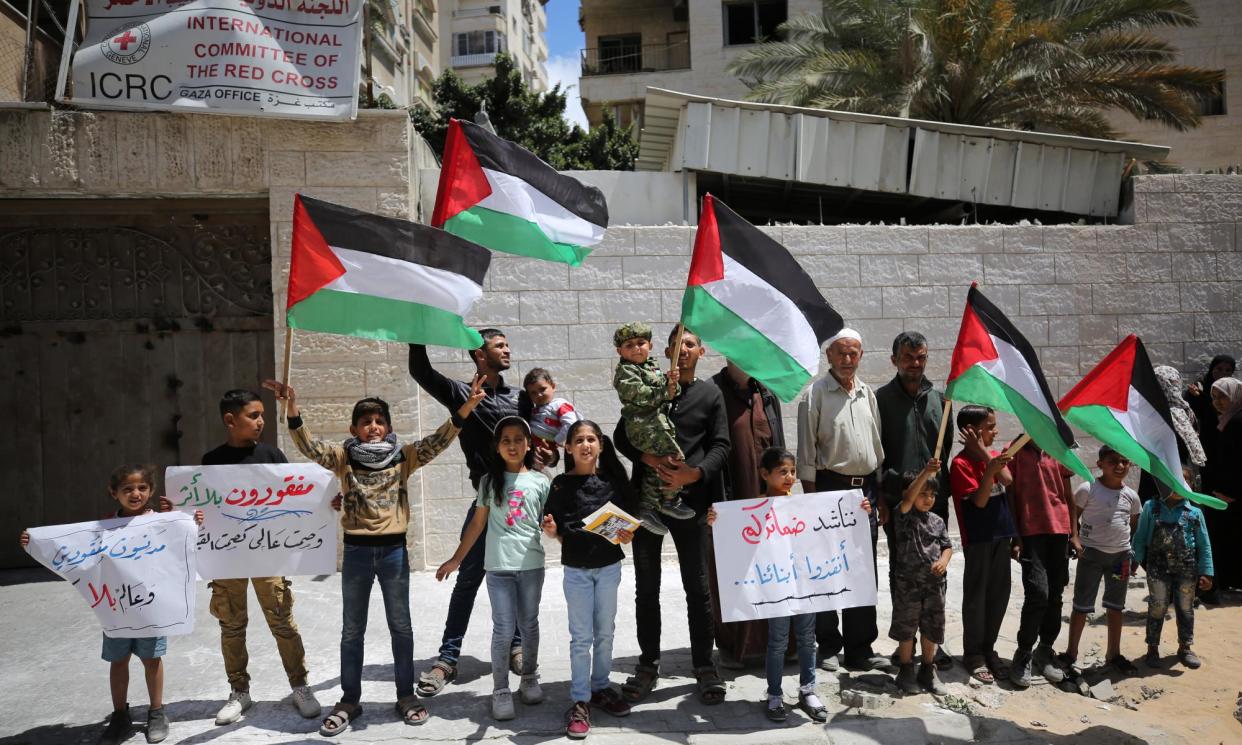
(472, 60)
(491, 10)
(626, 59)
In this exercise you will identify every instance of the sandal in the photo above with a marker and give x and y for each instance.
(998, 668)
(338, 721)
(434, 680)
(711, 687)
(982, 674)
(640, 685)
(411, 711)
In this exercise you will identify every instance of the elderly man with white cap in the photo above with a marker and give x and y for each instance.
(839, 448)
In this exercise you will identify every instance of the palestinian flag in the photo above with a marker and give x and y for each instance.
(1121, 404)
(504, 197)
(994, 365)
(359, 274)
(749, 299)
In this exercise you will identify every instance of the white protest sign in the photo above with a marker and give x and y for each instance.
(284, 58)
(790, 555)
(259, 520)
(137, 573)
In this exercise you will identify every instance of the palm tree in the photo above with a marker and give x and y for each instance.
(1054, 65)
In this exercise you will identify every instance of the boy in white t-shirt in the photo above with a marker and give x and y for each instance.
(1106, 514)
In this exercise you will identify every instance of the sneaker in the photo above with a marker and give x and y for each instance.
(1044, 660)
(502, 704)
(908, 679)
(529, 690)
(238, 703)
(1189, 659)
(1123, 666)
(157, 725)
(118, 729)
(1152, 658)
(305, 702)
(930, 680)
(1020, 672)
(676, 509)
(578, 721)
(611, 702)
(830, 664)
(652, 522)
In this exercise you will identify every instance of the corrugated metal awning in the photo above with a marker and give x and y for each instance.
(939, 160)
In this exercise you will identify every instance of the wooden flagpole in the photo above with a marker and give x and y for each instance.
(681, 330)
(944, 423)
(284, 378)
(1017, 445)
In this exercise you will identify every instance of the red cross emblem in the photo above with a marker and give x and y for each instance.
(125, 39)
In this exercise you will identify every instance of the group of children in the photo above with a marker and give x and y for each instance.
(1007, 507)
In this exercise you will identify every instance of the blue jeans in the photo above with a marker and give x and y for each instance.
(461, 602)
(515, 605)
(591, 595)
(359, 570)
(778, 642)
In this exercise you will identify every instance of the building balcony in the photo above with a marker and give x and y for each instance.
(630, 59)
(473, 60)
(491, 10)
(425, 24)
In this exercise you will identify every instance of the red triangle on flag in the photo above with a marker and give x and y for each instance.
(312, 265)
(974, 344)
(1108, 383)
(462, 181)
(706, 263)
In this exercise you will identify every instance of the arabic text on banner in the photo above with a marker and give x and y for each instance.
(790, 555)
(137, 573)
(260, 520)
(283, 58)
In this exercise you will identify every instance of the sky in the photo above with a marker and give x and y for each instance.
(565, 40)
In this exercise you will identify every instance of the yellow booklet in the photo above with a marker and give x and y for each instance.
(607, 520)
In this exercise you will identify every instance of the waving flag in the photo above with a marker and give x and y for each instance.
(1121, 404)
(359, 274)
(994, 365)
(504, 197)
(749, 299)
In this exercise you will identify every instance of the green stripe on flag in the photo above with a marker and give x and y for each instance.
(1101, 423)
(371, 317)
(500, 231)
(978, 386)
(734, 338)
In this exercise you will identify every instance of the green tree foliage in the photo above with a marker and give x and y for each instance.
(533, 120)
(1053, 65)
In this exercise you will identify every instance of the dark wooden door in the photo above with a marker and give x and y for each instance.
(121, 323)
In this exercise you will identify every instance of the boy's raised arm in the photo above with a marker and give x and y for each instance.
(329, 455)
(423, 451)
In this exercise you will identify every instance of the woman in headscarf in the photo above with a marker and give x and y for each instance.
(1199, 396)
(1226, 459)
(1185, 426)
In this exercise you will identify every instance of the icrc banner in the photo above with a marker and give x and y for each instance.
(280, 58)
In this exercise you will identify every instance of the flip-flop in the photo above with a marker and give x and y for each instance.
(982, 674)
(339, 720)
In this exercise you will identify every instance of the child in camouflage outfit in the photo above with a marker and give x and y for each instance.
(645, 392)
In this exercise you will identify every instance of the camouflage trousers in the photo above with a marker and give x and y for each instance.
(653, 434)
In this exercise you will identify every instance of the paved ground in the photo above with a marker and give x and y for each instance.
(56, 686)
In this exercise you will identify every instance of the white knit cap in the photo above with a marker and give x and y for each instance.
(845, 333)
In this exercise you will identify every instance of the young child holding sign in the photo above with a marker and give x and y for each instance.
(593, 478)
(778, 471)
(373, 468)
(131, 486)
(921, 551)
(510, 506)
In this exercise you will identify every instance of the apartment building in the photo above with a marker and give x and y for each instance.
(405, 50)
(472, 32)
(683, 45)
(1213, 44)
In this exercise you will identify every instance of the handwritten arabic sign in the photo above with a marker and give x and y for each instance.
(792, 555)
(137, 573)
(284, 58)
(262, 520)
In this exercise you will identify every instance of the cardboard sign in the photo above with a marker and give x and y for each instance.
(260, 520)
(137, 573)
(786, 556)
